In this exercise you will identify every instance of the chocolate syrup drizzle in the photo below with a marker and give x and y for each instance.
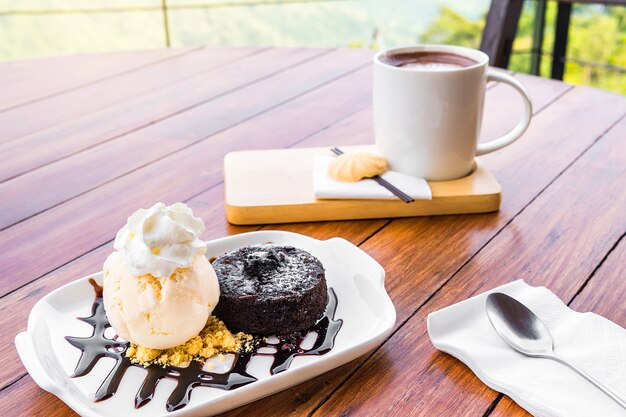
(286, 349)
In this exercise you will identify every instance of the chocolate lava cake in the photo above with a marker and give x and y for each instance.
(269, 289)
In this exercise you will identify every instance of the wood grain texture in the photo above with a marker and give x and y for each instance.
(430, 262)
(327, 136)
(44, 79)
(604, 294)
(410, 249)
(503, 106)
(416, 233)
(12, 69)
(64, 125)
(112, 122)
(15, 72)
(57, 109)
(179, 176)
(271, 130)
(541, 246)
(299, 400)
(26, 296)
(25, 398)
(100, 164)
(207, 205)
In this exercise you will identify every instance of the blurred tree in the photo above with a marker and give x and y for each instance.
(597, 38)
(594, 41)
(453, 28)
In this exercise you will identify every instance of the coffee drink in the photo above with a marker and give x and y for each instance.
(427, 60)
(428, 108)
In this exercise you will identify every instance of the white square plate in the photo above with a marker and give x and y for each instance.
(363, 304)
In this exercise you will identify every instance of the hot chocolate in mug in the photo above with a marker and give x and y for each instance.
(428, 109)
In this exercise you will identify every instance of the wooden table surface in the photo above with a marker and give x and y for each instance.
(86, 140)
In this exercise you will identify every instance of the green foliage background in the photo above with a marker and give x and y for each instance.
(596, 43)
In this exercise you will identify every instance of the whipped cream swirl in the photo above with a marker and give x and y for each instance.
(160, 239)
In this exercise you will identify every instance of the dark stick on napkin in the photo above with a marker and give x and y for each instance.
(398, 193)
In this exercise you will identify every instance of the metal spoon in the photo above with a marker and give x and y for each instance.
(521, 329)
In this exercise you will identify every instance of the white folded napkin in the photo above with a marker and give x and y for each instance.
(326, 187)
(542, 386)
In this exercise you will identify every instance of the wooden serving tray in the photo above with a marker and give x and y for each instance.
(276, 186)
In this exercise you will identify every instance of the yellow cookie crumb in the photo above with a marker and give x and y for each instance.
(214, 339)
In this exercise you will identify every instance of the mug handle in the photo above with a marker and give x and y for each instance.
(520, 128)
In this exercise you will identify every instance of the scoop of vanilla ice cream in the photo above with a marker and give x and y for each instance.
(159, 288)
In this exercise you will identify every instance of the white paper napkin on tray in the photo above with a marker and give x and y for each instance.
(328, 188)
(542, 386)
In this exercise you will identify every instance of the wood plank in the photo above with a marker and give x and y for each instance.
(270, 126)
(410, 249)
(79, 133)
(25, 398)
(356, 129)
(177, 177)
(209, 205)
(64, 75)
(549, 244)
(352, 128)
(500, 120)
(18, 71)
(604, 295)
(522, 170)
(230, 106)
(49, 112)
(315, 381)
(69, 137)
(606, 291)
(32, 151)
(92, 261)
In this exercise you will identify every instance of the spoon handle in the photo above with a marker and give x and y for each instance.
(606, 389)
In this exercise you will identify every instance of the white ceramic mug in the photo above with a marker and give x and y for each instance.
(427, 121)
